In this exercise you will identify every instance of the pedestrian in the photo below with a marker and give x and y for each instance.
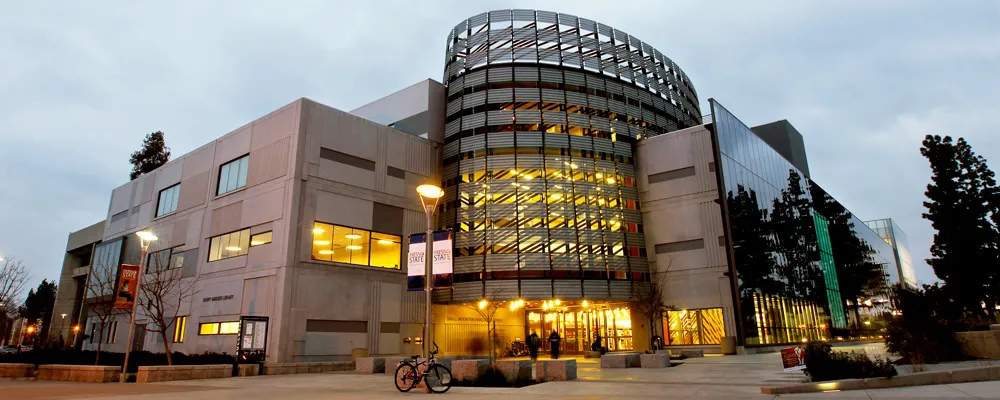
(533, 343)
(554, 342)
(596, 346)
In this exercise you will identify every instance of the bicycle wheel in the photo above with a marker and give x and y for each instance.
(406, 377)
(438, 378)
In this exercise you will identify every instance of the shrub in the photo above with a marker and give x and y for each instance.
(925, 331)
(824, 364)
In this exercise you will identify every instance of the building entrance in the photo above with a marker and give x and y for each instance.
(578, 325)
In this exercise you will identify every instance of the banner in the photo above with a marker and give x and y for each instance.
(793, 359)
(441, 265)
(128, 278)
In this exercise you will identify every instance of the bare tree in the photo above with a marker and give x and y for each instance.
(487, 309)
(101, 300)
(13, 276)
(162, 294)
(648, 301)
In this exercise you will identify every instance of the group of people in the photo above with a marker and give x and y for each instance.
(534, 343)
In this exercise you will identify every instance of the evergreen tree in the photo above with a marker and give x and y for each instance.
(38, 307)
(962, 208)
(153, 154)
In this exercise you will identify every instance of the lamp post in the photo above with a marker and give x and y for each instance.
(428, 193)
(145, 239)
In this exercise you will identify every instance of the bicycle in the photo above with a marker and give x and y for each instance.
(436, 376)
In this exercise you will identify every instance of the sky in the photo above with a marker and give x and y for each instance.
(863, 81)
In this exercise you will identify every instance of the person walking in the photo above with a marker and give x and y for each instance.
(533, 343)
(554, 343)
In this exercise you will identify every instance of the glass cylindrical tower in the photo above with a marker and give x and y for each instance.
(543, 112)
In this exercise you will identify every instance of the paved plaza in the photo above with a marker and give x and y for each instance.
(729, 378)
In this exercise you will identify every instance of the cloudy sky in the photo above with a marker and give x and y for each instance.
(80, 85)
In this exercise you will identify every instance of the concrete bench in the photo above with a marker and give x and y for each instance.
(620, 360)
(468, 371)
(78, 373)
(693, 353)
(8, 370)
(592, 354)
(515, 371)
(654, 360)
(555, 370)
(163, 373)
(369, 365)
(391, 363)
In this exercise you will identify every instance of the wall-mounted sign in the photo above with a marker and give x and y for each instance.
(441, 263)
(218, 298)
(128, 276)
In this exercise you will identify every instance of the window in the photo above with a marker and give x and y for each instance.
(180, 323)
(93, 333)
(355, 246)
(260, 239)
(219, 328)
(233, 175)
(165, 259)
(112, 332)
(229, 245)
(168, 200)
(694, 326)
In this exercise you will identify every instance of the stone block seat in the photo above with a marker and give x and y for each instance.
(515, 371)
(8, 370)
(654, 360)
(555, 370)
(693, 353)
(370, 365)
(78, 373)
(620, 360)
(468, 371)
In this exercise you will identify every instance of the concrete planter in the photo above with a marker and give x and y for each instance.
(163, 373)
(310, 367)
(17, 370)
(918, 379)
(981, 344)
(555, 370)
(78, 373)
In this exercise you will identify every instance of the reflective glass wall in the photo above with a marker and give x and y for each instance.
(890, 232)
(539, 177)
(805, 265)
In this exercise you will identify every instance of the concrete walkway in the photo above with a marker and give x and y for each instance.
(728, 378)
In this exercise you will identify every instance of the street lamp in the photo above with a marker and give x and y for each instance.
(428, 193)
(145, 239)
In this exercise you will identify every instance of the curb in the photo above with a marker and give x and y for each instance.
(977, 374)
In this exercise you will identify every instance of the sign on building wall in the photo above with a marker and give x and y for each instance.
(441, 264)
(252, 345)
(128, 276)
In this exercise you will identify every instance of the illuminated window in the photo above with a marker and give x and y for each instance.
(180, 324)
(342, 244)
(694, 326)
(211, 328)
(229, 245)
(229, 328)
(219, 328)
(260, 239)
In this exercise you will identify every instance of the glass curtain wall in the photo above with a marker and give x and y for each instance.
(540, 190)
(803, 261)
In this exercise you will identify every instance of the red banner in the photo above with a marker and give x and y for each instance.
(128, 279)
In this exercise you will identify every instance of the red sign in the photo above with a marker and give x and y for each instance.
(793, 359)
(128, 279)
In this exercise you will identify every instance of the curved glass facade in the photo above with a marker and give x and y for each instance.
(540, 190)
